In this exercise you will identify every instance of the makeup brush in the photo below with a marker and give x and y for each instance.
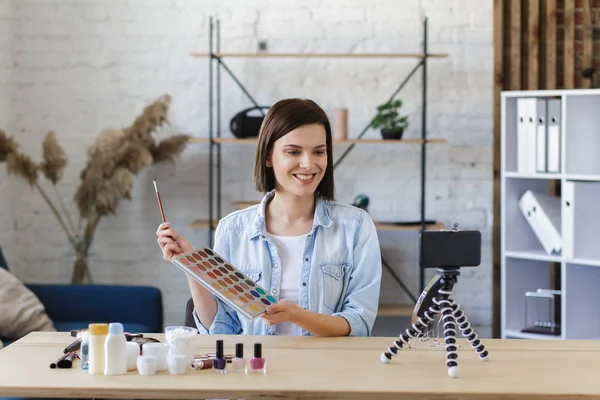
(162, 212)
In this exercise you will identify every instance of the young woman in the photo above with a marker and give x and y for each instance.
(319, 258)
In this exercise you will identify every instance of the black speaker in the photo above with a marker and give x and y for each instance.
(243, 125)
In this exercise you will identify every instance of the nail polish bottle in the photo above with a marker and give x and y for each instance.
(239, 362)
(220, 363)
(257, 363)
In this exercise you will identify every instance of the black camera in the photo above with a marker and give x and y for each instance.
(450, 248)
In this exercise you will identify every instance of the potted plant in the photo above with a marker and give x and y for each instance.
(388, 119)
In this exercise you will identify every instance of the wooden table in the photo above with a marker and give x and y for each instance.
(323, 368)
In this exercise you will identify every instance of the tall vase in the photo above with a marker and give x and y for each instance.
(80, 272)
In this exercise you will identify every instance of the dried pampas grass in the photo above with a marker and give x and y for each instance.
(110, 192)
(169, 148)
(134, 157)
(114, 158)
(7, 146)
(55, 159)
(22, 166)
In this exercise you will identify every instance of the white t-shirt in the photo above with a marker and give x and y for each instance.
(290, 249)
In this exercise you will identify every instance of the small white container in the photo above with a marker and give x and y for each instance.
(146, 365)
(160, 350)
(177, 364)
(97, 337)
(133, 351)
(115, 350)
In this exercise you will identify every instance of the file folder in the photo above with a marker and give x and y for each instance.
(532, 110)
(543, 213)
(554, 128)
(541, 135)
(568, 217)
(522, 114)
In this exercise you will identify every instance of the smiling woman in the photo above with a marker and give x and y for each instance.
(295, 138)
(318, 258)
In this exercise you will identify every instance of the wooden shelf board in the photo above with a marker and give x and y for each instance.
(235, 140)
(347, 141)
(386, 226)
(238, 205)
(395, 310)
(320, 55)
(202, 224)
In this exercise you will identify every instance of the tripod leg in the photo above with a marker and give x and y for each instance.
(449, 334)
(468, 332)
(410, 333)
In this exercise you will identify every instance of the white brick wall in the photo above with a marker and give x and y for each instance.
(78, 67)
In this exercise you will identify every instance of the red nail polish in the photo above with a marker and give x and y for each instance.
(257, 363)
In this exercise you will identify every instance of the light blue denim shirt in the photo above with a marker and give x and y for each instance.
(341, 269)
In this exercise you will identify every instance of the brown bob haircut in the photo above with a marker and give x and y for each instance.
(282, 118)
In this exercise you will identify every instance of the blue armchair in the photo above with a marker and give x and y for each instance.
(138, 308)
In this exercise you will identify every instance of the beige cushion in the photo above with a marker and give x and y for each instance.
(21, 312)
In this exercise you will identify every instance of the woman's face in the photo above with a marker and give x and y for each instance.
(299, 160)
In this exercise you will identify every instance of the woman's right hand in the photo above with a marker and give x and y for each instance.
(171, 244)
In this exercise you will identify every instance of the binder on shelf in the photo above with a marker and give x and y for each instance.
(527, 127)
(532, 111)
(522, 113)
(554, 127)
(542, 212)
(540, 138)
(568, 217)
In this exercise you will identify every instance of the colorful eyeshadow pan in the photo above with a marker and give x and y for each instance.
(225, 281)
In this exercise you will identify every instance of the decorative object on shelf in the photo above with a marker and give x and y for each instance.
(389, 121)
(361, 201)
(447, 251)
(114, 158)
(243, 125)
(542, 212)
(340, 124)
(548, 324)
(590, 73)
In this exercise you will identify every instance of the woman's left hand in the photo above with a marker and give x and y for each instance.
(282, 311)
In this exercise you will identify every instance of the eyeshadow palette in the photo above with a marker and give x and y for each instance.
(225, 281)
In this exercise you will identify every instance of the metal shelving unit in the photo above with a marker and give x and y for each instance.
(215, 141)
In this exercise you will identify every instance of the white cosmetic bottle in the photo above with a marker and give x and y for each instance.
(115, 350)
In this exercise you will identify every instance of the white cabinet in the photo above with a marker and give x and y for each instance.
(550, 136)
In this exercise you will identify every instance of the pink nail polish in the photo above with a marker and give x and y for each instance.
(239, 362)
(257, 363)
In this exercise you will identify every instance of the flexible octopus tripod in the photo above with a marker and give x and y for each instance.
(436, 299)
(451, 315)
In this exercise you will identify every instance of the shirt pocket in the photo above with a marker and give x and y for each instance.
(335, 281)
(254, 275)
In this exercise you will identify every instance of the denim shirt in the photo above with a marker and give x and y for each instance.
(341, 267)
